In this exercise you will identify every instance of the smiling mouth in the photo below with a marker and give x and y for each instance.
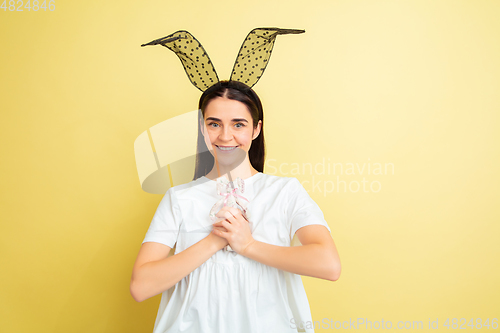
(227, 148)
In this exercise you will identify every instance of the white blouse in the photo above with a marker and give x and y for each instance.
(230, 292)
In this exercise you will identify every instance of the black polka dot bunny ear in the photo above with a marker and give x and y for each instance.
(249, 66)
(255, 53)
(193, 56)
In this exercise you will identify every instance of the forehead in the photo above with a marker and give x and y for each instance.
(223, 108)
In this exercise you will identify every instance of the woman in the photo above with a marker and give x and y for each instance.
(256, 287)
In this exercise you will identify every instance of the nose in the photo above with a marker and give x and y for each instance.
(226, 134)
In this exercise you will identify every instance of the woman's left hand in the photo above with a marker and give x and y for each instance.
(238, 234)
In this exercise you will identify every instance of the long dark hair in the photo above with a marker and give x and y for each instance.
(237, 91)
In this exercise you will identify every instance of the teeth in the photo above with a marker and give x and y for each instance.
(222, 148)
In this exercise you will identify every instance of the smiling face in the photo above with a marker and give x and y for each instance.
(230, 130)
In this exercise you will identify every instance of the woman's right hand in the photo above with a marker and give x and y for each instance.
(220, 242)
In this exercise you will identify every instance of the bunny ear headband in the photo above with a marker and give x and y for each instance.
(249, 66)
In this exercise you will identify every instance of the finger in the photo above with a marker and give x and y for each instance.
(221, 212)
(234, 211)
(230, 217)
(228, 226)
(220, 233)
(238, 214)
(226, 208)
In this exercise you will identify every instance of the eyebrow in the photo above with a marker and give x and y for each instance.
(234, 120)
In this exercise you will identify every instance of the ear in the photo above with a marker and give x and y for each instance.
(255, 52)
(256, 131)
(193, 56)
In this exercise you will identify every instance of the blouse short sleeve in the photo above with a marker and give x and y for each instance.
(164, 227)
(302, 209)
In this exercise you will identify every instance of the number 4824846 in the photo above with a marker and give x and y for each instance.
(19, 6)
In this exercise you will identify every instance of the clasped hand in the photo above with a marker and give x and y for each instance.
(235, 228)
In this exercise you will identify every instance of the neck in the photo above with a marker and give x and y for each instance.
(242, 171)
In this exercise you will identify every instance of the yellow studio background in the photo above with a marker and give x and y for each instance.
(409, 89)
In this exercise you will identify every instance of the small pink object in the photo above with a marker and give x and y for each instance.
(230, 192)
